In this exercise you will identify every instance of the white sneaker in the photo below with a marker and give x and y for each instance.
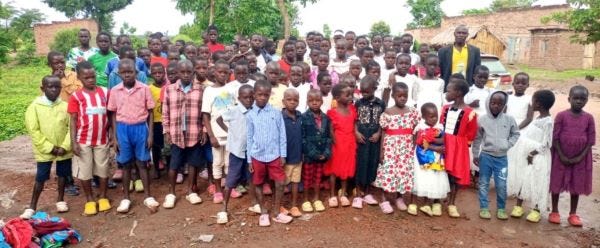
(169, 201)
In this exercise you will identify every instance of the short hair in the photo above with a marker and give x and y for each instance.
(127, 61)
(125, 49)
(369, 81)
(198, 59)
(399, 86)
(338, 88)
(521, 74)
(482, 68)
(461, 85)
(578, 87)
(105, 34)
(315, 92)
(172, 64)
(432, 56)
(121, 36)
(372, 64)
(321, 76)
(259, 76)
(504, 94)
(362, 51)
(291, 91)
(349, 32)
(53, 54)
(217, 55)
(403, 55)
(83, 65)
(545, 98)
(457, 76)
(310, 33)
(361, 37)
(46, 79)
(289, 43)
(212, 27)
(428, 105)
(406, 35)
(245, 87)
(262, 84)
(157, 64)
(84, 30)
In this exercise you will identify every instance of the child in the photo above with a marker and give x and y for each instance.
(172, 76)
(324, 80)
(496, 134)
(340, 63)
(173, 55)
(89, 138)
(420, 69)
(190, 51)
(293, 131)
(289, 52)
(365, 55)
(373, 69)
(115, 78)
(182, 130)
(156, 48)
(356, 69)
(47, 123)
(204, 52)
(144, 53)
(273, 73)
(394, 174)
(529, 168)
(430, 179)
(342, 164)
(157, 71)
(316, 148)
(132, 106)
(478, 93)
(68, 79)
(217, 99)
(574, 135)
(401, 75)
(82, 52)
(213, 35)
(322, 64)
(460, 128)
(267, 150)
(388, 59)
(376, 43)
(430, 88)
(306, 73)
(236, 146)
(300, 50)
(297, 83)
(240, 72)
(519, 104)
(351, 82)
(368, 131)
(201, 72)
(100, 59)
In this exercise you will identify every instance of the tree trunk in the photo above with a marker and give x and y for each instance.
(286, 18)
(211, 14)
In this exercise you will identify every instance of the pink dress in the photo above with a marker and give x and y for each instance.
(343, 151)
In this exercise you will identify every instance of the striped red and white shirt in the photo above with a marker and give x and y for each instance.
(92, 117)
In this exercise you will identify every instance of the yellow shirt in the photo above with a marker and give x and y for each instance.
(460, 60)
(69, 84)
(155, 91)
(277, 96)
(48, 126)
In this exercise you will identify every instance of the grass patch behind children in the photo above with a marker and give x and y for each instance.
(560, 76)
(19, 85)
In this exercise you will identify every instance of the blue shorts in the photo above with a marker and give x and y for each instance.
(190, 155)
(207, 151)
(132, 143)
(63, 169)
(238, 171)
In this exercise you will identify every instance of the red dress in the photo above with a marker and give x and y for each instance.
(343, 151)
(460, 128)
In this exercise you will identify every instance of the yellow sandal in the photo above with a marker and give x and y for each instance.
(103, 205)
(90, 209)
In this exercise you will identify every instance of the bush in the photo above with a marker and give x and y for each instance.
(64, 40)
(26, 55)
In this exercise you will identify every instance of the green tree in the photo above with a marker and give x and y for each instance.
(326, 31)
(380, 28)
(64, 40)
(583, 18)
(426, 13)
(476, 11)
(505, 4)
(99, 10)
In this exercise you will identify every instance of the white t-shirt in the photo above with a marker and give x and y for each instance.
(340, 66)
(409, 80)
(234, 87)
(327, 100)
(215, 101)
(383, 81)
(261, 63)
(303, 92)
(480, 94)
(517, 107)
(428, 90)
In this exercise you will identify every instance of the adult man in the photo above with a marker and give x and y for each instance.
(459, 57)
(83, 51)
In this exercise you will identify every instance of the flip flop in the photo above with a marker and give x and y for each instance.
(62, 207)
(169, 201)
(222, 218)
(283, 219)
(263, 220)
(124, 206)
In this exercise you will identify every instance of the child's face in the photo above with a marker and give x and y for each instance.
(241, 73)
(124, 41)
(172, 74)
(361, 43)
(350, 81)
(432, 65)
(158, 73)
(57, 63)
(497, 103)
(179, 45)
(317, 42)
(355, 69)
(190, 52)
(127, 73)
(128, 55)
(403, 64)
(451, 92)
(173, 57)
(397, 45)
(155, 46)
(290, 101)
(229, 50)
(340, 50)
(325, 45)
(578, 98)
(389, 58)
(400, 97)
(201, 70)
(145, 55)
(273, 75)
(296, 75)
(314, 56)
(246, 97)
(290, 52)
(84, 38)
(252, 62)
(300, 49)
(306, 72)
(481, 78)
(256, 42)
(367, 57)
(423, 52)
(405, 44)
(431, 116)
(310, 39)
(374, 71)
(367, 91)
(185, 73)
(103, 43)
(388, 42)
(325, 85)
(165, 42)
(350, 41)
(87, 78)
(376, 42)
(345, 97)
(323, 62)
(210, 73)
(204, 52)
(261, 96)
(244, 46)
(315, 101)
(212, 36)
(520, 84)
(51, 88)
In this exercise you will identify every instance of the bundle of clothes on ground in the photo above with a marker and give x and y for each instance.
(42, 230)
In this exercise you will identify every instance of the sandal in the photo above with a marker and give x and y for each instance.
(139, 186)
(307, 207)
(357, 203)
(103, 205)
(170, 201)
(263, 220)
(295, 212)
(193, 198)
(386, 208)
(62, 207)
(333, 202)
(222, 218)
(369, 199)
(574, 220)
(453, 211)
(90, 209)
(401, 205)
(436, 209)
(27, 214)
(218, 198)
(344, 201)
(118, 176)
(554, 218)
(412, 209)
(427, 210)
(283, 219)
(534, 216)
(151, 204)
(319, 207)
(255, 209)
(124, 206)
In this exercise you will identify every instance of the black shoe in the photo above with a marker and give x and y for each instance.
(71, 190)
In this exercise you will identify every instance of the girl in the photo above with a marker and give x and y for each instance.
(460, 128)
(322, 64)
(420, 69)
(400, 75)
(394, 174)
(431, 181)
(324, 80)
(343, 152)
(351, 82)
(519, 104)
(430, 88)
(574, 134)
(529, 167)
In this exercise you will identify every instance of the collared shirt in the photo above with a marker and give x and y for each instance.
(113, 65)
(236, 135)
(131, 105)
(69, 84)
(369, 113)
(293, 135)
(180, 109)
(276, 98)
(460, 60)
(266, 134)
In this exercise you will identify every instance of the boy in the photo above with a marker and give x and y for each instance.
(182, 130)
(89, 137)
(157, 71)
(131, 107)
(476, 97)
(68, 79)
(267, 150)
(216, 100)
(113, 65)
(236, 146)
(144, 53)
(340, 63)
(100, 59)
(297, 83)
(240, 72)
(389, 62)
(289, 52)
(155, 48)
(47, 123)
(83, 51)
(115, 78)
(213, 35)
(497, 133)
(190, 52)
(273, 74)
(293, 134)
(406, 42)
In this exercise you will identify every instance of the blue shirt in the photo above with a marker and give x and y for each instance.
(236, 135)
(293, 135)
(114, 79)
(113, 65)
(266, 134)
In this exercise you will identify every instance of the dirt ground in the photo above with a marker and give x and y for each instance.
(338, 227)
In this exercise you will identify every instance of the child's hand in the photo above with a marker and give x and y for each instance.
(474, 104)
(375, 137)
(438, 149)
(54, 151)
(321, 158)
(76, 149)
(149, 141)
(214, 142)
(250, 168)
(564, 159)
(360, 138)
(115, 145)
(476, 161)
(203, 138)
(60, 151)
(381, 156)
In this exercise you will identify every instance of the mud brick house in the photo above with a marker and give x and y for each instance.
(44, 32)
(527, 40)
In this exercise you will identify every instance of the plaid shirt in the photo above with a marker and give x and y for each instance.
(179, 107)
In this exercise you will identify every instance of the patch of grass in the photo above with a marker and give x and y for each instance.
(543, 74)
(19, 85)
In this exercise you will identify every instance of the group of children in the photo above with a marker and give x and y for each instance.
(371, 123)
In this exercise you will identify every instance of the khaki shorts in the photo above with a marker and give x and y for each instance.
(220, 163)
(293, 173)
(92, 161)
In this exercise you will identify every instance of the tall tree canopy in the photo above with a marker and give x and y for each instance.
(99, 10)
(380, 27)
(583, 18)
(426, 13)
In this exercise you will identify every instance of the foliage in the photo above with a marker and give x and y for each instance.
(127, 29)
(476, 11)
(583, 18)
(17, 29)
(20, 85)
(505, 4)
(416, 45)
(101, 11)
(181, 37)
(64, 40)
(326, 31)
(26, 55)
(426, 13)
(553, 75)
(380, 28)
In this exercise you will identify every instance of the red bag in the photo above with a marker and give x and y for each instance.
(18, 233)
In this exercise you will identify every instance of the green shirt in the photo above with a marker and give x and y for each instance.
(100, 61)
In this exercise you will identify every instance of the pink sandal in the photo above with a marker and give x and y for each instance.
(386, 208)
(283, 219)
(554, 218)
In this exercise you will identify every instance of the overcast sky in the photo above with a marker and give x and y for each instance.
(356, 15)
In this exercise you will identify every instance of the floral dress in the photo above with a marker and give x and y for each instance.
(395, 174)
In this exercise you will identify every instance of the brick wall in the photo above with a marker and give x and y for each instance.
(552, 49)
(44, 33)
(424, 35)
